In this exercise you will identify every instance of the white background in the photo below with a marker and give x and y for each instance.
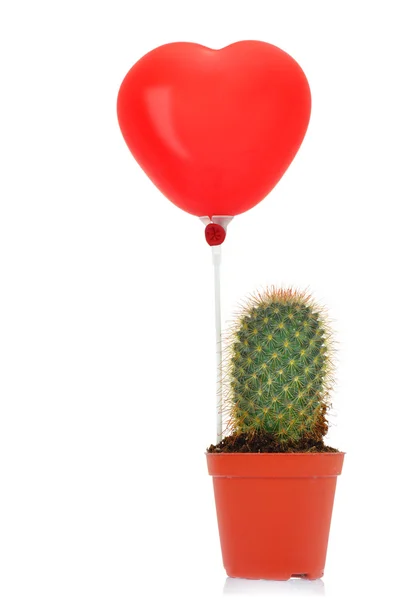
(106, 306)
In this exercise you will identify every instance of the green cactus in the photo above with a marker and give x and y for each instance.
(280, 365)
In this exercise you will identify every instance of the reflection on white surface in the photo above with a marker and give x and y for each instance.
(255, 587)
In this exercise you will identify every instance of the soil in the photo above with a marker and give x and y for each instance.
(265, 442)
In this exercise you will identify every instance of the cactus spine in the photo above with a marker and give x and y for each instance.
(280, 363)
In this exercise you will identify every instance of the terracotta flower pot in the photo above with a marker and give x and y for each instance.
(274, 512)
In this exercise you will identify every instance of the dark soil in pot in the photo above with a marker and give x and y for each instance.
(262, 441)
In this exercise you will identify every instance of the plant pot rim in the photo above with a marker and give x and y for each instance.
(274, 453)
(275, 464)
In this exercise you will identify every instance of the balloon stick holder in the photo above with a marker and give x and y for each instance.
(215, 235)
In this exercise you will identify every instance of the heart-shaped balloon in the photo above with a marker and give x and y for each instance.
(214, 130)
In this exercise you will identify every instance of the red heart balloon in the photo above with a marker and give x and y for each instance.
(214, 130)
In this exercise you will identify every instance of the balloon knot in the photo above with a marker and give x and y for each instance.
(215, 234)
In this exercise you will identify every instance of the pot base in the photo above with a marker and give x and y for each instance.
(271, 576)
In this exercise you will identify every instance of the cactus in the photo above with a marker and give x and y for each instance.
(280, 367)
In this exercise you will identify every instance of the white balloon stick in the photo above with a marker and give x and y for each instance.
(216, 256)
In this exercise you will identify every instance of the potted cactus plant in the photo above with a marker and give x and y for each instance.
(274, 478)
